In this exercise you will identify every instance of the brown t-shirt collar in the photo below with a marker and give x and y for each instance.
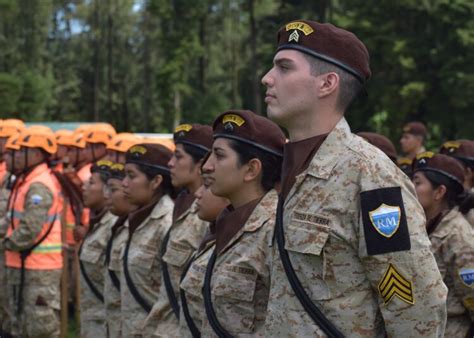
(182, 203)
(230, 221)
(95, 218)
(297, 158)
(137, 217)
(433, 223)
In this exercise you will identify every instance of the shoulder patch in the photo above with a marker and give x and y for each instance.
(393, 283)
(385, 223)
(467, 276)
(36, 199)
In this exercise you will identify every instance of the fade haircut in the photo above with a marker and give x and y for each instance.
(349, 85)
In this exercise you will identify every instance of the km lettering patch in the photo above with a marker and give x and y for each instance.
(393, 284)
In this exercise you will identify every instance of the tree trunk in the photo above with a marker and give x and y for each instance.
(110, 61)
(96, 61)
(257, 102)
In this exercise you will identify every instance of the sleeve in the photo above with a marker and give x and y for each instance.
(395, 251)
(461, 267)
(38, 201)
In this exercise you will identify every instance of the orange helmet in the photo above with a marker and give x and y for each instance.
(75, 140)
(81, 128)
(168, 143)
(36, 137)
(99, 133)
(64, 135)
(9, 127)
(122, 142)
(12, 142)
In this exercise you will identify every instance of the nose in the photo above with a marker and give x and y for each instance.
(267, 79)
(171, 162)
(208, 167)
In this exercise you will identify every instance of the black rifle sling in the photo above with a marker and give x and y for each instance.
(23, 256)
(184, 304)
(89, 282)
(313, 311)
(131, 286)
(206, 292)
(113, 276)
(166, 278)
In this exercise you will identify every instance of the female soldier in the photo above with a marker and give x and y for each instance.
(92, 253)
(208, 206)
(193, 142)
(120, 206)
(438, 182)
(147, 185)
(244, 165)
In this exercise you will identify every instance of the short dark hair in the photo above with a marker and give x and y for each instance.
(196, 153)
(151, 173)
(454, 196)
(271, 164)
(349, 85)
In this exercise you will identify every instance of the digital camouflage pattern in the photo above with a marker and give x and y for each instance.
(453, 247)
(325, 239)
(92, 257)
(144, 265)
(186, 234)
(41, 303)
(192, 285)
(111, 294)
(240, 282)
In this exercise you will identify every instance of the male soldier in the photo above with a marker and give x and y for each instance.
(33, 242)
(413, 138)
(351, 257)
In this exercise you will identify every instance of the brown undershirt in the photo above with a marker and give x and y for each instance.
(137, 217)
(182, 203)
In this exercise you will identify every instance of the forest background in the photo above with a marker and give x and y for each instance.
(147, 65)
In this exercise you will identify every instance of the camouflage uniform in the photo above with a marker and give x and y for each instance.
(192, 285)
(453, 247)
(92, 258)
(185, 235)
(470, 214)
(111, 294)
(4, 194)
(326, 239)
(41, 292)
(240, 282)
(144, 265)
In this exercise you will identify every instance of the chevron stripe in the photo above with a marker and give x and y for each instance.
(394, 284)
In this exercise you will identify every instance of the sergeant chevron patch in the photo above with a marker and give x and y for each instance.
(394, 284)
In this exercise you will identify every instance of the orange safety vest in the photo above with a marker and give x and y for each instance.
(71, 223)
(47, 255)
(3, 171)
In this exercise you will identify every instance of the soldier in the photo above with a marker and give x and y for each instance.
(33, 242)
(245, 165)
(147, 185)
(438, 181)
(351, 257)
(120, 206)
(381, 142)
(193, 142)
(192, 311)
(92, 253)
(413, 138)
(463, 151)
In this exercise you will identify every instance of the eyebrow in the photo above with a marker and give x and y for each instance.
(282, 60)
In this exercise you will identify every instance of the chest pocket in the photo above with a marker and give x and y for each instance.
(233, 284)
(305, 237)
(141, 258)
(92, 254)
(177, 254)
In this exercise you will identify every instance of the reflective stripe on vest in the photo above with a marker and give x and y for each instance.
(47, 255)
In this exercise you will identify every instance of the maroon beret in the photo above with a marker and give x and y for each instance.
(381, 142)
(117, 171)
(151, 155)
(250, 128)
(441, 164)
(328, 43)
(196, 135)
(101, 167)
(462, 150)
(415, 128)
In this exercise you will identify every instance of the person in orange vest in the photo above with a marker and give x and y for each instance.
(8, 128)
(92, 253)
(33, 243)
(60, 158)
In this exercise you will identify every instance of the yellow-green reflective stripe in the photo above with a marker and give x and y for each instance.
(48, 248)
(70, 225)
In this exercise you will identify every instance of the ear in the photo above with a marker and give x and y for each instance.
(440, 192)
(328, 84)
(156, 182)
(254, 169)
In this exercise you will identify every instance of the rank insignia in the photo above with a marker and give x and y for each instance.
(394, 284)
(294, 36)
(385, 219)
(467, 276)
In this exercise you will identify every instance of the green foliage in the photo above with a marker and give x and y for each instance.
(10, 91)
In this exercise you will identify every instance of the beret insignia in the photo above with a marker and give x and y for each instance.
(300, 26)
(117, 166)
(104, 163)
(183, 127)
(233, 118)
(138, 150)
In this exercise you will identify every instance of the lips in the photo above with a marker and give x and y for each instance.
(269, 96)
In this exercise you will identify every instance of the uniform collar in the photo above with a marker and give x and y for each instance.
(444, 228)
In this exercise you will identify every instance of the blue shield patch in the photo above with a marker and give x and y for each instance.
(467, 276)
(385, 219)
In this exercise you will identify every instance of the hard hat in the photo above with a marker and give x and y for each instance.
(99, 133)
(64, 135)
(168, 143)
(11, 126)
(35, 137)
(122, 142)
(12, 142)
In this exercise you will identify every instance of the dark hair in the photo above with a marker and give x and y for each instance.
(271, 164)
(349, 85)
(467, 202)
(196, 153)
(454, 195)
(166, 187)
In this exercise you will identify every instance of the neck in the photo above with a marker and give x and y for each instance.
(194, 186)
(313, 124)
(435, 210)
(246, 195)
